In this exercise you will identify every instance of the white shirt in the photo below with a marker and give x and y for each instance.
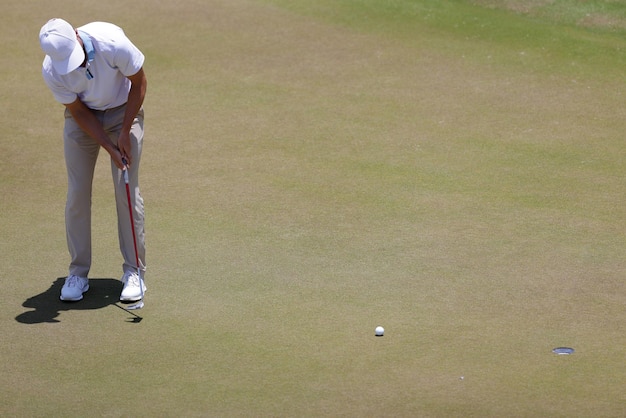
(115, 59)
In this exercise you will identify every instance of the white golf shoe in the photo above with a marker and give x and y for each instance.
(133, 286)
(74, 288)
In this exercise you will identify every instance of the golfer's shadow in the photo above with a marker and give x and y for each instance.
(47, 305)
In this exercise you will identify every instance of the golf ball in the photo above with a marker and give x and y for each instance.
(380, 331)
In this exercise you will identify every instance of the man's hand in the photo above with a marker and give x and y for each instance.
(124, 146)
(117, 158)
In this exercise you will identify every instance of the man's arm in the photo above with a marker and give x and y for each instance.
(139, 85)
(92, 126)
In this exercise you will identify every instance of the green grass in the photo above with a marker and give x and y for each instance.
(604, 15)
(453, 172)
(560, 36)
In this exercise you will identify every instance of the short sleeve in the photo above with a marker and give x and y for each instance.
(128, 58)
(59, 91)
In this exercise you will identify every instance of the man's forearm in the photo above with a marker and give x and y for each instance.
(136, 96)
(91, 125)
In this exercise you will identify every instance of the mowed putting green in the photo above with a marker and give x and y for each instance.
(453, 171)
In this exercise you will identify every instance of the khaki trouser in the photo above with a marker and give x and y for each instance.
(81, 153)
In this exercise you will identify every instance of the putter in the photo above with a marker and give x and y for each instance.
(139, 304)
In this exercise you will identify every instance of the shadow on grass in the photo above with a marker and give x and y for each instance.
(47, 305)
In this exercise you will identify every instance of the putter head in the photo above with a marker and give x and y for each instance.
(135, 306)
(139, 304)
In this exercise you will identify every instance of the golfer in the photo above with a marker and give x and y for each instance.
(97, 73)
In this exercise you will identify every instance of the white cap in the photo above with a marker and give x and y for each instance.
(58, 41)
